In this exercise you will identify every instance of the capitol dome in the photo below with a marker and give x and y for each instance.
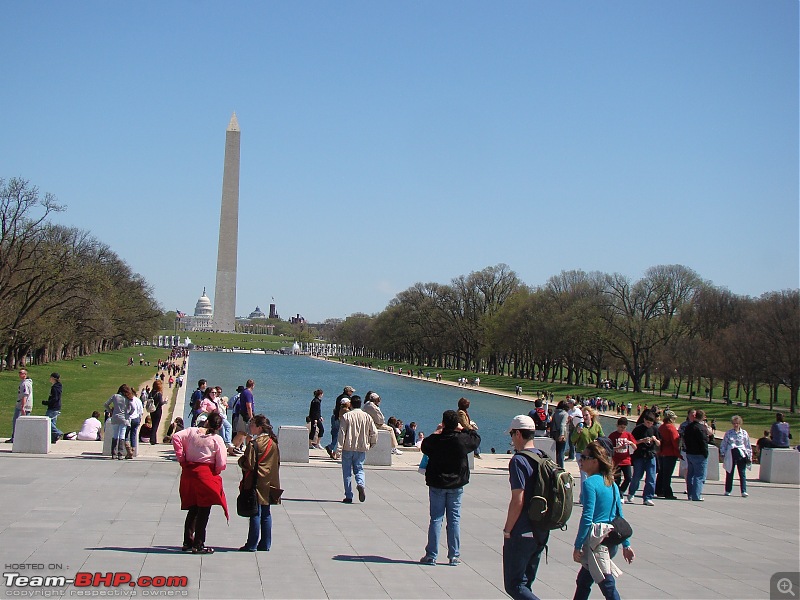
(203, 307)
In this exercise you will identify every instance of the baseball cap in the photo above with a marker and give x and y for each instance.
(521, 422)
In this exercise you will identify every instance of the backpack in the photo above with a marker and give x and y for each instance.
(150, 405)
(540, 418)
(550, 506)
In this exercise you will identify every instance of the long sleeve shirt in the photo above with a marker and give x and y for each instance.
(600, 505)
(192, 446)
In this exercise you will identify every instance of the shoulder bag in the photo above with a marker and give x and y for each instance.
(622, 529)
(247, 500)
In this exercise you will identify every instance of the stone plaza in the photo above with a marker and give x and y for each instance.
(75, 511)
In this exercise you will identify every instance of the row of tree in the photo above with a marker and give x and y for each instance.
(668, 327)
(62, 292)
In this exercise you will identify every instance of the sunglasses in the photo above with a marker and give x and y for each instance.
(587, 456)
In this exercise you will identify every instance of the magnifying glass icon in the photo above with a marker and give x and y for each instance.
(785, 586)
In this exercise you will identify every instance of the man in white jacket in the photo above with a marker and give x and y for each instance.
(372, 406)
(357, 434)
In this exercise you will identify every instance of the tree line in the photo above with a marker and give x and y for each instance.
(62, 292)
(670, 327)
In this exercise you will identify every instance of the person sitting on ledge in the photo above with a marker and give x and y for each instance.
(145, 430)
(92, 429)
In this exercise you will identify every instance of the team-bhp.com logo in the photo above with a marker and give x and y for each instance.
(114, 583)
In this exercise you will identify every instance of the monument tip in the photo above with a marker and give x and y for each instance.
(234, 124)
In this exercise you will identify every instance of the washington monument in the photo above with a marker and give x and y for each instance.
(225, 290)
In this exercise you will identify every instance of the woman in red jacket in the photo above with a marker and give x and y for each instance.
(667, 457)
(624, 445)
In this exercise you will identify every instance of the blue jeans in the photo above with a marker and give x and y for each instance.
(227, 429)
(584, 583)
(352, 464)
(53, 414)
(133, 433)
(646, 467)
(334, 434)
(260, 526)
(695, 475)
(444, 501)
(560, 446)
(521, 562)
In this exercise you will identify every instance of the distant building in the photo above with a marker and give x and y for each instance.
(257, 314)
(203, 318)
(273, 312)
(297, 320)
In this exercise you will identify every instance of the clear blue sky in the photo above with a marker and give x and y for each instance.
(389, 143)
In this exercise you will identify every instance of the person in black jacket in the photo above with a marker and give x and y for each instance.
(317, 429)
(53, 404)
(695, 440)
(446, 475)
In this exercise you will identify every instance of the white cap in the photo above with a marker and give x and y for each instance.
(521, 422)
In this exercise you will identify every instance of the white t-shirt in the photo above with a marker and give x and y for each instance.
(89, 430)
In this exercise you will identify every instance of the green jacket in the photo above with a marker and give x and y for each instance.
(583, 436)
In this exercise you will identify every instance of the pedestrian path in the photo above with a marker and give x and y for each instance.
(75, 511)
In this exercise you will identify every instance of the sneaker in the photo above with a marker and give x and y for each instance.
(455, 561)
(427, 560)
(362, 495)
(727, 493)
(348, 500)
(649, 503)
(744, 494)
(630, 500)
(397, 451)
(328, 450)
(10, 441)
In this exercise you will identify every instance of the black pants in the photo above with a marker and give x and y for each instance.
(194, 530)
(627, 472)
(666, 466)
(316, 426)
(155, 418)
(739, 464)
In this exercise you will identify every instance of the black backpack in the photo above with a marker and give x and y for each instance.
(550, 506)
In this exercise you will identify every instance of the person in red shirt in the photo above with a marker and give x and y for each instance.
(624, 445)
(668, 456)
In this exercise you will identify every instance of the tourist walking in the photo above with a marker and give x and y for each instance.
(357, 434)
(559, 430)
(316, 429)
(158, 402)
(201, 453)
(262, 460)
(196, 399)
(586, 431)
(446, 475)
(695, 440)
(624, 446)
(523, 541)
(337, 407)
(737, 455)
(644, 458)
(601, 504)
(24, 405)
(121, 409)
(245, 408)
(668, 456)
(53, 404)
(132, 445)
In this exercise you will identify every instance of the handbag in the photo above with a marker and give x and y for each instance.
(247, 500)
(622, 529)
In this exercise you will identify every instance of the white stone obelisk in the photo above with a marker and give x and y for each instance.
(225, 290)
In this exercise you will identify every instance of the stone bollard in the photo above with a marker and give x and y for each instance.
(778, 465)
(546, 445)
(380, 455)
(32, 435)
(293, 442)
(712, 469)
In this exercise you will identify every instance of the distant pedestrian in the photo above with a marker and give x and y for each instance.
(157, 398)
(644, 458)
(246, 410)
(737, 454)
(446, 475)
(357, 434)
(24, 404)
(466, 421)
(316, 428)
(695, 439)
(337, 407)
(668, 456)
(121, 410)
(53, 404)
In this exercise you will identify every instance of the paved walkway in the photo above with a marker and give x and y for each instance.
(75, 511)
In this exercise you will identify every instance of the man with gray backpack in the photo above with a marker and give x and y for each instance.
(541, 500)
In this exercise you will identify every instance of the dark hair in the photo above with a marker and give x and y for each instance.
(603, 461)
(209, 390)
(562, 405)
(96, 414)
(391, 421)
(355, 401)
(463, 404)
(249, 383)
(700, 415)
(450, 418)
(125, 390)
(214, 422)
(318, 393)
(55, 376)
(157, 386)
(527, 434)
(622, 421)
(779, 417)
(201, 383)
(263, 422)
(537, 403)
(648, 415)
(368, 396)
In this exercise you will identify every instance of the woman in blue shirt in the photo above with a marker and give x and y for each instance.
(601, 503)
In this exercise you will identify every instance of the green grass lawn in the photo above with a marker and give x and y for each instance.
(245, 341)
(756, 420)
(85, 390)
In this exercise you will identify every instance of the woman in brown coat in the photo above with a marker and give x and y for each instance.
(261, 453)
